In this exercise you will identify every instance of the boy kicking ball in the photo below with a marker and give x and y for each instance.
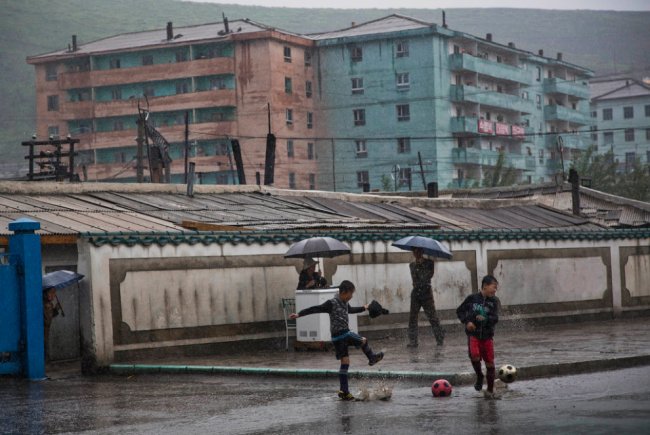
(338, 309)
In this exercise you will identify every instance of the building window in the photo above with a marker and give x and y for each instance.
(52, 103)
(119, 157)
(647, 134)
(310, 151)
(499, 59)
(114, 63)
(362, 178)
(182, 88)
(403, 112)
(402, 49)
(116, 94)
(607, 114)
(289, 116)
(287, 54)
(594, 114)
(405, 177)
(217, 83)
(310, 120)
(359, 116)
(118, 125)
(362, 151)
(312, 181)
(403, 145)
(403, 81)
(539, 74)
(524, 95)
(630, 159)
(148, 91)
(608, 138)
(292, 180)
(629, 135)
(357, 85)
(290, 148)
(53, 131)
(647, 110)
(147, 59)
(308, 90)
(538, 101)
(287, 85)
(628, 112)
(307, 58)
(181, 56)
(356, 54)
(50, 72)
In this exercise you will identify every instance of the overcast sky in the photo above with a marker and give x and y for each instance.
(618, 5)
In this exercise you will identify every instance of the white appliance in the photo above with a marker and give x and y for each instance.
(316, 327)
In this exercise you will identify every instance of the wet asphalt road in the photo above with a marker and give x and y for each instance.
(597, 403)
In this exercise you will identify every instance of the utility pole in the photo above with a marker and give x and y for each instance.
(396, 169)
(424, 182)
(187, 144)
(333, 165)
(269, 166)
(139, 167)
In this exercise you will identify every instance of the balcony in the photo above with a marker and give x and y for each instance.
(570, 141)
(194, 100)
(149, 73)
(560, 86)
(501, 71)
(71, 110)
(480, 157)
(561, 113)
(471, 94)
(464, 125)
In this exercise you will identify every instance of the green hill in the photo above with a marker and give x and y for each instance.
(604, 41)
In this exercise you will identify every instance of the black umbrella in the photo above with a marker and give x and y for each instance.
(60, 279)
(429, 246)
(317, 247)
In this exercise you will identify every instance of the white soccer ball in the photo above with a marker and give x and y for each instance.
(507, 373)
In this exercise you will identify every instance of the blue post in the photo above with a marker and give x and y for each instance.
(26, 245)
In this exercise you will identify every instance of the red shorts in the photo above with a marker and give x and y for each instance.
(481, 349)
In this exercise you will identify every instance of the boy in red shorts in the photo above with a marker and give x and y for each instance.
(479, 312)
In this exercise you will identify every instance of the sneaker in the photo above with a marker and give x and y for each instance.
(491, 395)
(478, 386)
(347, 396)
(376, 358)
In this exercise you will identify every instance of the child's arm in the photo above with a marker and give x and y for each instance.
(462, 312)
(325, 307)
(356, 310)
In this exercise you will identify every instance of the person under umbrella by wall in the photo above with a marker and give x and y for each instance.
(51, 309)
(309, 278)
(422, 297)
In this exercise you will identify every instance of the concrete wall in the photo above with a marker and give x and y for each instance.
(152, 298)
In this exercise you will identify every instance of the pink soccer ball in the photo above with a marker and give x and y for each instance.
(441, 388)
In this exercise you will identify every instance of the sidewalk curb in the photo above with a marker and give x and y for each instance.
(531, 372)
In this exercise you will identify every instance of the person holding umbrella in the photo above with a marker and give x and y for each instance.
(51, 309)
(309, 278)
(422, 297)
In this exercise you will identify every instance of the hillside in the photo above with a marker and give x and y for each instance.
(604, 41)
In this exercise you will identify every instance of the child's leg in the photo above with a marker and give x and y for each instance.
(343, 374)
(488, 357)
(365, 347)
(474, 350)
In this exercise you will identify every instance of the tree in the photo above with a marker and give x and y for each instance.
(500, 175)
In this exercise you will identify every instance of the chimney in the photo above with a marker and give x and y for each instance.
(559, 56)
(511, 44)
(444, 19)
(352, 24)
(170, 31)
(74, 43)
(225, 23)
(488, 36)
(541, 52)
(432, 190)
(574, 179)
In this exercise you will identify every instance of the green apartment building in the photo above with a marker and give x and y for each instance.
(405, 102)
(621, 109)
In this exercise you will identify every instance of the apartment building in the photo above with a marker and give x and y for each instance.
(405, 102)
(621, 110)
(233, 80)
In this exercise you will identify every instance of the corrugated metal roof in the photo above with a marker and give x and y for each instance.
(389, 24)
(72, 209)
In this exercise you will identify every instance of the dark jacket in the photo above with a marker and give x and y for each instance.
(338, 311)
(303, 279)
(474, 305)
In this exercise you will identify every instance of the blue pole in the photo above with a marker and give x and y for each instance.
(26, 245)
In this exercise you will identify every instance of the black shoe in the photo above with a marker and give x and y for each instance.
(440, 341)
(478, 386)
(376, 358)
(346, 396)
(412, 345)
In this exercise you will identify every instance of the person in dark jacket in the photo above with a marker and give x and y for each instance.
(479, 312)
(422, 297)
(338, 309)
(309, 278)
